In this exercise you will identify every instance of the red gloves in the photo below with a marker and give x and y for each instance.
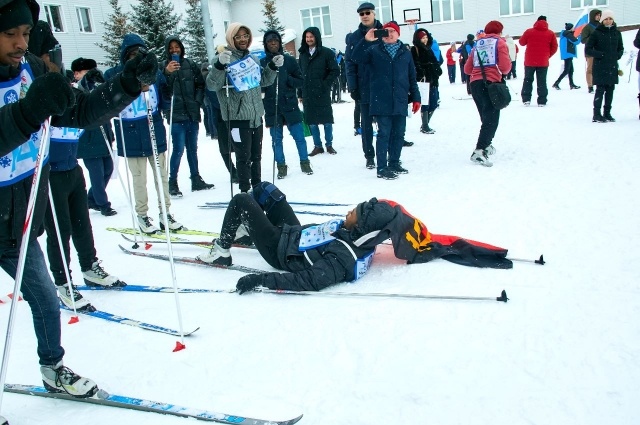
(416, 107)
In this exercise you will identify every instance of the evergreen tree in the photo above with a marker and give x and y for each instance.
(153, 20)
(271, 22)
(194, 33)
(115, 29)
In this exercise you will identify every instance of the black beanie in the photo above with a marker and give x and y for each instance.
(542, 18)
(568, 26)
(14, 14)
(470, 37)
(82, 64)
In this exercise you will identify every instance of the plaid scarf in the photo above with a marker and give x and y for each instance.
(393, 48)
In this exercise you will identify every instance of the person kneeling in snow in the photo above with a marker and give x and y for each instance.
(321, 255)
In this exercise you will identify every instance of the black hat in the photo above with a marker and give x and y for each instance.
(372, 215)
(271, 36)
(568, 26)
(365, 6)
(542, 18)
(470, 37)
(16, 13)
(82, 64)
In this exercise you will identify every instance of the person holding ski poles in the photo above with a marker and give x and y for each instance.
(30, 95)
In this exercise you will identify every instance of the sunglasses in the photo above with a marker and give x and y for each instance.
(368, 12)
(241, 37)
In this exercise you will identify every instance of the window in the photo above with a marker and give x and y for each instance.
(226, 26)
(54, 17)
(516, 7)
(579, 4)
(317, 17)
(383, 10)
(84, 19)
(447, 10)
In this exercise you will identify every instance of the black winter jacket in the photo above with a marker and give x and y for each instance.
(427, 66)
(636, 43)
(318, 72)
(358, 74)
(92, 109)
(605, 46)
(289, 80)
(186, 85)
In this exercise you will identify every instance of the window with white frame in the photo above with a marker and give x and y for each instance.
(54, 17)
(447, 10)
(84, 19)
(579, 4)
(317, 17)
(383, 10)
(515, 7)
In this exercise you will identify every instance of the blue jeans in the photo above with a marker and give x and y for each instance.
(391, 130)
(315, 133)
(367, 131)
(297, 132)
(184, 134)
(38, 290)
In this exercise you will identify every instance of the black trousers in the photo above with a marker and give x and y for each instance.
(603, 91)
(248, 157)
(225, 145)
(489, 116)
(264, 228)
(356, 115)
(541, 81)
(100, 171)
(69, 195)
(568, 70)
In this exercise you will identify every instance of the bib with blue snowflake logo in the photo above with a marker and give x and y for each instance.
(362, 265)
(66, 134)
(138, 108)
(319, 234)
(21, 162)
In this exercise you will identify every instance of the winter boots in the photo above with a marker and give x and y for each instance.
(371, 164)
(216, 255)
(305, 166)
(173, 188)
(607, 115)
(97, 276)
(198, 184)
(316, 150)
(242, 236)
(145, 224)
(81, 303)
(60, 379)
(173, 224)
(282, 171)
(597, 117)
(426, 117)
(481, 156)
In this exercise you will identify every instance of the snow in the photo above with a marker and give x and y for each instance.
(563, 350)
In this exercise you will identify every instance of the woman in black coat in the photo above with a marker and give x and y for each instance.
(427, 70)
(605, 46)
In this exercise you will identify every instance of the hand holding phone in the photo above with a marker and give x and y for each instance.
(381, 33)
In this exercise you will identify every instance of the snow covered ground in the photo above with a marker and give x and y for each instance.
(563, 350)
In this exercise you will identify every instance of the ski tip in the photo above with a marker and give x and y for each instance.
(102, 394)
(292, 421)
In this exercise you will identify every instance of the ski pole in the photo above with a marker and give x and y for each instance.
(501, 298)
(43, 149)
(63, 255)
(160, 186)
(226, 86)
(170, 138)
(524, 260)
(313, 204)
(275, 127)
(128, 191)
(124, 189)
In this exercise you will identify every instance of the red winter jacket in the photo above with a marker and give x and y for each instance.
(541, 44)
(494, 73)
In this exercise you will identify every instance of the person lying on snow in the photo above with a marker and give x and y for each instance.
(320, 255)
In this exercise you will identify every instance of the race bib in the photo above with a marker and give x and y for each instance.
(66, 134)
(487, 51)
(244, 74)
(21, 162)
(319, 234)
(362, 265)
(138, 108)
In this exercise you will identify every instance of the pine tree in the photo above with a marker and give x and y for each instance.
(271, 22)
(115, 28)
(154, 20)
(194, 33)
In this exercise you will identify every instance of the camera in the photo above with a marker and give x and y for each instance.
(381, 33)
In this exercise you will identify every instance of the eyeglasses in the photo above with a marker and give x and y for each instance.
(241, 37)
(366, 12)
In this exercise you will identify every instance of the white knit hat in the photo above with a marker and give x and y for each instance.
(606, 14)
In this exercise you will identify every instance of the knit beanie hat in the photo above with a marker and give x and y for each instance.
(606, 14)
(14, 14)
(493, 27)
(568, 26)
(421, 34)
(82, 64)
(392, 24)
(470, 37)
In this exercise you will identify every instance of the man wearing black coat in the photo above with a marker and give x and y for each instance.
(319, 69)
(30, 95)
(284, 110)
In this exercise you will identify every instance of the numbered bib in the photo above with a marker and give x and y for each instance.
(318, 235)
(362, 265)
(487, 51)
(66, 134)
(244, 74)
(138, 108)
(21, 162)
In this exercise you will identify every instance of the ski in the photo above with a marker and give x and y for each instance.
(131, 322)
(149, 288)
(180, 241)
(102, 398)
(462, 97)
(295, 211)
(501, 298)
(192, 232)
(191, 260)
(312, 204)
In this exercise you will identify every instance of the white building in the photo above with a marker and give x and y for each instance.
(78, 23)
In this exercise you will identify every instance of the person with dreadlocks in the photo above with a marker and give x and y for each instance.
(340, 250)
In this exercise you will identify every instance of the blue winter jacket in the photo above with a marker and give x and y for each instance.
(136, 132)
(568, 43)
(358, 74)
(393, 80)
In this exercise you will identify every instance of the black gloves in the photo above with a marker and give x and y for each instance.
(48, 95)
(142, 69)
(91, 80)
(248, 283)
(355, 95)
